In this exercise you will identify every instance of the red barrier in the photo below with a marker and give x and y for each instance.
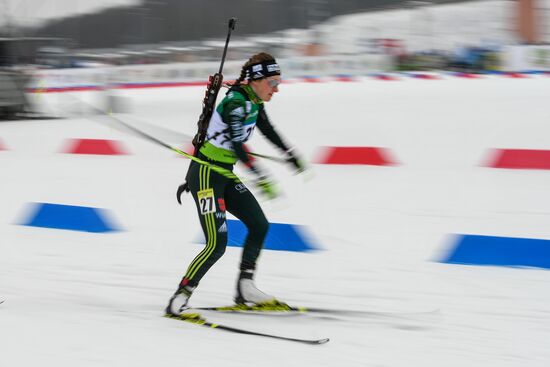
(521, 159)
(386, 77)
(426, 76)
(311, 80)
(343, 78)
(517, 75)
(468, 75)
(355, 155)
(95, 146)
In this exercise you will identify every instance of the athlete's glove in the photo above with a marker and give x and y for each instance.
(296, 161)
(184, 187)
(267, 186)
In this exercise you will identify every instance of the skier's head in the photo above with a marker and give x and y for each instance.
(263, 74)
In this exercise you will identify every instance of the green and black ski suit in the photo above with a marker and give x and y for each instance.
(231, 125)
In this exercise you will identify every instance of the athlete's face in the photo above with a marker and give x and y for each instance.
(267, 87)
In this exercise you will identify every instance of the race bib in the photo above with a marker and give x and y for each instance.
(207, 204)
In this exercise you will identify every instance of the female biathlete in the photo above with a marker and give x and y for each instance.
(231, 125)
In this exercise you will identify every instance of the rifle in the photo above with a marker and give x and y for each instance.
(212, 88)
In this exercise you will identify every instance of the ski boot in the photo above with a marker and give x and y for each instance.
(250, 297)
(178, 302)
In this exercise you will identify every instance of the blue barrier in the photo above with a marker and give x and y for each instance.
(280, 237)
(69, 217)
(499, 251)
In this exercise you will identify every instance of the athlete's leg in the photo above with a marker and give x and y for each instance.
(207, 188)
(240, 202)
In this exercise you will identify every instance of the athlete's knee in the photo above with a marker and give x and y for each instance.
(221, 244)
(259, 228)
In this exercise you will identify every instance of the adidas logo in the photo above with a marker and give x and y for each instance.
(223, 228)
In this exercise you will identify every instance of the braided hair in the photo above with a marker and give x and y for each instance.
(255, 59)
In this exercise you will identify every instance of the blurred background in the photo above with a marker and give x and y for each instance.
(311, 37)
(76, 33)
(83, 33)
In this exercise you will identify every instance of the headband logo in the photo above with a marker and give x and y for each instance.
(257, 67)
(272, 67)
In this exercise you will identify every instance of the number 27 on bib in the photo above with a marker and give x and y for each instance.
(206, 200)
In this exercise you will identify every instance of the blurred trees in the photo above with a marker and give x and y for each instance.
(155, 21)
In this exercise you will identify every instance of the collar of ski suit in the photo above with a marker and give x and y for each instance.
(251, 94)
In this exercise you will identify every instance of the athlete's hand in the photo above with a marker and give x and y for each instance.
(184, 187)
(295, 160)
(267, 186)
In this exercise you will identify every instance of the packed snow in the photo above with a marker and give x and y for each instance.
(88, 299)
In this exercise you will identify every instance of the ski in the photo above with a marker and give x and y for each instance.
(283, 308)
(275, 308)
(197, 319)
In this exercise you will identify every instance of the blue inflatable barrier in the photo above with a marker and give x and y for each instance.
(499, 251)
(69, 217)
(280, 237)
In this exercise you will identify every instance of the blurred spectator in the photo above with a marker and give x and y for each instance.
(473, 59)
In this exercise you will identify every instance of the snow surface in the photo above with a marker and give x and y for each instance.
(84, 299)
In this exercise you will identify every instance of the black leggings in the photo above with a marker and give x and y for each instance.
(214, 194)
